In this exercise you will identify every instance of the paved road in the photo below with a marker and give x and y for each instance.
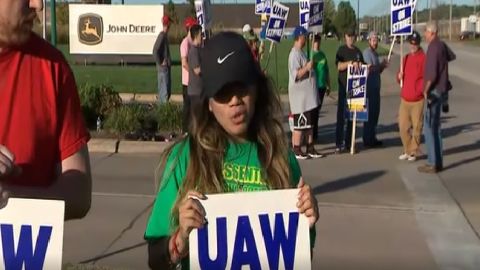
(376, 212)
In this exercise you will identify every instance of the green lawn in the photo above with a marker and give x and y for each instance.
(142, 79)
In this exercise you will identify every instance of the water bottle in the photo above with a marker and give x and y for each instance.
(99, 124)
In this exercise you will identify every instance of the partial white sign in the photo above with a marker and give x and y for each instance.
(31, 234)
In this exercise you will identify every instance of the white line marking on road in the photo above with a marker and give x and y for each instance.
(451, 239)
(128, 195)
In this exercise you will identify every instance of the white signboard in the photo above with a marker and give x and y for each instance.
(31, 233)
(114, 29)
(304, 13)
(402, 17)
(202, 9)
(277, 22)
(315, 24)
(262, 7)
(252, 230)
(357, 87)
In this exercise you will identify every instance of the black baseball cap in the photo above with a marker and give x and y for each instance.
(227, 58)
(415, 38)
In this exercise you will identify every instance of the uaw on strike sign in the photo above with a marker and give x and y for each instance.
(402, 17)
(31, 234)
(276, 22)
(244, 234)
(311, 15)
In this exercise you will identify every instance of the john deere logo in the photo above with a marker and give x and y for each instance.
(90, 29)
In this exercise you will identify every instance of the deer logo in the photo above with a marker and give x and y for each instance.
(90, 29)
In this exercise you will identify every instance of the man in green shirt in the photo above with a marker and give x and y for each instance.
(320, 64)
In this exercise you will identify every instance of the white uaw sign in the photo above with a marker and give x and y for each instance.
(356, 87)
(112, 29)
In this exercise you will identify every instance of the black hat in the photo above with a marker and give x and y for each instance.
(226, 58)
(350, 32)
(415, 38)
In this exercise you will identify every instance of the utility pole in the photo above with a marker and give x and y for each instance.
(430, 10)
(358, 16)
(53, 23)
(44, 20)
(450, 24)
(475, 14)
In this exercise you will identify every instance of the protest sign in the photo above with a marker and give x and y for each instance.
(304, 13)
(276, 22)
(316, 16)
(202, 10)
(31, 232)
(356, 87)
(262, 7)
(251, 230)
(402, 17)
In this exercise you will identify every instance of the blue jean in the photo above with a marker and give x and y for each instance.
(432, 132)
(164, 84)
(370, 127)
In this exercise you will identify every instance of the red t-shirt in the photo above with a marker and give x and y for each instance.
(41, 121)
(413, 64)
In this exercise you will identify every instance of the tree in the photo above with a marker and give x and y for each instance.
(171, 11)
(345, 18)
(192, 11)
(328, 16)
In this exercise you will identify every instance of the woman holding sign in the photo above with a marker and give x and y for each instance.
(236, 143)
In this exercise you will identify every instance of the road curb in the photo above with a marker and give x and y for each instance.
(96, 145)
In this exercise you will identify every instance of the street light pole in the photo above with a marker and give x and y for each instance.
(358, 16)
(430, 10)
(450, 25)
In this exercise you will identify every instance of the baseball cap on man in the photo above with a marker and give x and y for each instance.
(246, 28)
(226, 58)
(166, 20)
(299, 31)
(415, 38)
(189, 22)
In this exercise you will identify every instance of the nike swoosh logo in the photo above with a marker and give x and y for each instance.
(221, 60)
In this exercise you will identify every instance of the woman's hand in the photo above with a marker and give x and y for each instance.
(191, 215)
(307, 204)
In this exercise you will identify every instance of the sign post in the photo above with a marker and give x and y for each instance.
(251, 235)
(356, 95)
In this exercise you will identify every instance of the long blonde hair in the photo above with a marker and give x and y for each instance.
(208, 140)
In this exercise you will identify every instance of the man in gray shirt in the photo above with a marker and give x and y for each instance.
(161, 54)
(370, 56)
(435, 90)
(302, 94)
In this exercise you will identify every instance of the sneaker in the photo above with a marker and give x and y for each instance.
(338, 150)
(403, 156)
(311, 152)
(299, 154)
(412, 158)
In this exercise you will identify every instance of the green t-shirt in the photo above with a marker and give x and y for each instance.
(320, 64)
(241, 168)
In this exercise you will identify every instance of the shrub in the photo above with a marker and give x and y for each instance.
(98, 101)
(169, 117)
(126, 119)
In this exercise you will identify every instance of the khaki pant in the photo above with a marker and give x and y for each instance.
(410, 122)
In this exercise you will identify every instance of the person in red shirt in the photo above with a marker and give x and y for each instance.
(43, 138)
(410, 119)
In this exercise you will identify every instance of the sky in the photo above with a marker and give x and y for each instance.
(367, 7)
